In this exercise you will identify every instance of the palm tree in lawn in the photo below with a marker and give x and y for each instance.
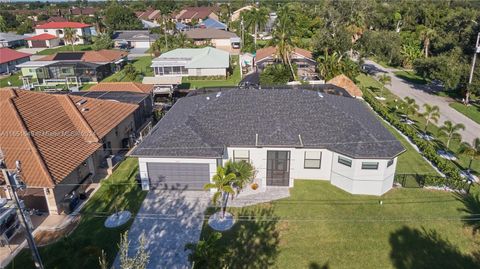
(244, 173)
(282, 37)
(70, 35)
(432, 113)
(472, 151)
(256, 18)
(222, 183)
(450, 131)
(384, 79)
(410, 107)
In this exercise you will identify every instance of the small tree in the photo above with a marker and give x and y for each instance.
(103, 41)
(138, 261)
(384, 80)
(409, 106)
(131, 72)
(244, 173)
(450, 131)
(70, 35)
(472, 151)
(222, 183)
(432, 113)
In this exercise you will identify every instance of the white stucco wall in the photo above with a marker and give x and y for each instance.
(207, 71)
(56, 32)
(221, 42)
(142, 162)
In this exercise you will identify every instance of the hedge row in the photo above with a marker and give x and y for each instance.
(453, 178)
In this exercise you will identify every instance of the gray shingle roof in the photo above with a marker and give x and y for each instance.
(135, 35)
(203, 125)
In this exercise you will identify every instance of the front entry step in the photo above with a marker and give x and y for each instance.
(270, 194)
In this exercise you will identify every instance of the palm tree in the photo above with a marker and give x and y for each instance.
(450, 131)
(222, 183)
(426, 34)
(432, 113)
(472, 208)
(70, 35)
(384, 80)
(256, 18)
(410, 107)
(329, 65)
(244, 173)
(472, 151)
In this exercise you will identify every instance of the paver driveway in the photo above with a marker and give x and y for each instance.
(169, 219)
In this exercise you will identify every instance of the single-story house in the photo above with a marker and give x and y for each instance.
(63, 142)
(220, 39)
(346, 83)
(200, 14)
(82, 31)
(237, 13)
(134, 38)
(43, 41)
(142, 115)
(182, 26)
(10, 58)
(306, 64)
(285, 133)
(72, 67)
(206, 61)
(11, 40)
(149, 15)
(212, 24)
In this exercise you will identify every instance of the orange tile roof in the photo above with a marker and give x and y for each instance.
(123, 87)
(93, 56)
(51, 134)
(343, 81)
(270, 51)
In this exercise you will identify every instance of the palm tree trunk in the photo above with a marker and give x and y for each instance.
(470, 165)
(255, 37)
(426, 125)
(291, 68)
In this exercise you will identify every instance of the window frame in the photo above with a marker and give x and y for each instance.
(365, 165)
(239, 159)
(310, 159)
(344, 161)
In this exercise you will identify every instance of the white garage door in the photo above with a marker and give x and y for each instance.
(142, 44)
(180, 176)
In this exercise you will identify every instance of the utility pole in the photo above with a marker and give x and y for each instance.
(12, 179)
(477, 50)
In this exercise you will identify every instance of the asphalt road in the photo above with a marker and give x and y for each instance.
(423, 95)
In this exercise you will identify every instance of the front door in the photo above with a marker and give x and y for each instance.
(278, 168)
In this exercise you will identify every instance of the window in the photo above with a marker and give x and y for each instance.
(241, 155)
(369, 165)
(313, 160)
(390, 162)
(345, 161)
(45, 31)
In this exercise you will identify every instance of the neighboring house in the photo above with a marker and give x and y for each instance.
(303, 59)
(142, 115)
(63, 143)
(236, 15)
(135, 87)
(206, 61)
(82, 30)
(343, 81)
(212, 24)
(163, 86)
(220, 39)
(286, 133)
(72, 67)
(10, 58)
(149, 15)
(182, 27)
(82, 11)
(11, 40)
(199, 14)
(134, 38)
(43, 41)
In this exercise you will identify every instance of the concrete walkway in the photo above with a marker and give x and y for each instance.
(169, 220)
(270, 194)
(423, 95)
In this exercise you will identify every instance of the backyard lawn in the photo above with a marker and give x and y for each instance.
(321, 226)
(82, 248)
(142, 65)
(472, 111)
(232, 80)
(15, 80)
(65, 48)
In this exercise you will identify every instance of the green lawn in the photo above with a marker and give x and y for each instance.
(471, 111)
(142, 65)
(65, 48)
(232, 80)
(411, 77)
(83, 247)
(15, 80)
(321, 226)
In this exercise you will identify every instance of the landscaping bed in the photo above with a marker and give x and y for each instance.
(82, 248)
(321, 226)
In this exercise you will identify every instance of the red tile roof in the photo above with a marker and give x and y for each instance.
(61, 25)
(93, 56)
(51, 134)
(195, 13)
(123, 87)
(7, 55)
(343, 81)
(41, 37)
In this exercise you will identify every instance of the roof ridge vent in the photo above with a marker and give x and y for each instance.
(320, 94)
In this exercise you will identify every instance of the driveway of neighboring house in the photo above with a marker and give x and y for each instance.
(31, 50)
(423, 95)
(169, 219)
(137, 53)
